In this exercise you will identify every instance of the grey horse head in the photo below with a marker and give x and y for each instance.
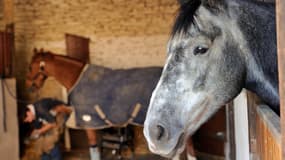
(211, 57)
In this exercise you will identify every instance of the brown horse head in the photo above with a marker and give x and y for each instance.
(47, 64)
(37, 69)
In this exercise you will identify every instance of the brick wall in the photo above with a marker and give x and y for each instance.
(6, 12)
(123, 33)
(119, 30)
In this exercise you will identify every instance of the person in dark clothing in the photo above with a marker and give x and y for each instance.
(42, 114)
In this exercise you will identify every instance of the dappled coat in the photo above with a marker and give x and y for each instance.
(102, 93)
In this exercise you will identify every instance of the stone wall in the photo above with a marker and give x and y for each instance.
(6, 12)
(123, 33)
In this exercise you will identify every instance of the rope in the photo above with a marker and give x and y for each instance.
(5, 85)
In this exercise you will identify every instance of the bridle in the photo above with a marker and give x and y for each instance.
(40, 72)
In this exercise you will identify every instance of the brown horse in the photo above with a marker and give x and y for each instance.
(64, 69)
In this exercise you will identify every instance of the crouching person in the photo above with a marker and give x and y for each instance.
(47, 117)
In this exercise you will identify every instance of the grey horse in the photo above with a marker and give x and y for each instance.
(217, 47)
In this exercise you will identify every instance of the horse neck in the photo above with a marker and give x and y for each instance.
(258, 26)
(65, 70)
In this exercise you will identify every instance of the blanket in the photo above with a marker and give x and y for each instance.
(103, 97)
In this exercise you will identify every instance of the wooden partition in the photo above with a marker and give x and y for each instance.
(264, 130)
(280, 17)
(268, 134)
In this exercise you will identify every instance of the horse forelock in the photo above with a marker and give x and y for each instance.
(185, 17)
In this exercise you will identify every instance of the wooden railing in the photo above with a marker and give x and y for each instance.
(264, 130)
(280, 25)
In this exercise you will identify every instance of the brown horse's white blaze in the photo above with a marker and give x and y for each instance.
(211, 57)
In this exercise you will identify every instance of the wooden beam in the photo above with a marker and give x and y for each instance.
(271, 121)
(231, 131)
(252, 101)
(280, 19)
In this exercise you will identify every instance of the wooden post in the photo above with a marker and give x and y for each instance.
(280, 19)
(230, 119)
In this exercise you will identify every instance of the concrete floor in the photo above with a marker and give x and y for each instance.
(84, 155)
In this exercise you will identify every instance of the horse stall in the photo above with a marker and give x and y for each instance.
(266, 135)
(256, 127)
(280, 7)
(257, 133)
(121, 35)
(255, 130)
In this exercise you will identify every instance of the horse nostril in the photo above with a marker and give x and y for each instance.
(160, 132)
(157, 133)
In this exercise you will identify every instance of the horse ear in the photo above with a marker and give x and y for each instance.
(214, 4)
(35, 51)
(210, 4)
(181, 2)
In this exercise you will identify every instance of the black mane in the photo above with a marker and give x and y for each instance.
(185, 16)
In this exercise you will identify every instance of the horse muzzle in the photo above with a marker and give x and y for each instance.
(31, 86)
(163, 141)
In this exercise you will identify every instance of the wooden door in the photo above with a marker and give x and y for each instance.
(6, 51)
(77, 47)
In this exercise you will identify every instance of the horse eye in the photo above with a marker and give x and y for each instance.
(200, 50)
